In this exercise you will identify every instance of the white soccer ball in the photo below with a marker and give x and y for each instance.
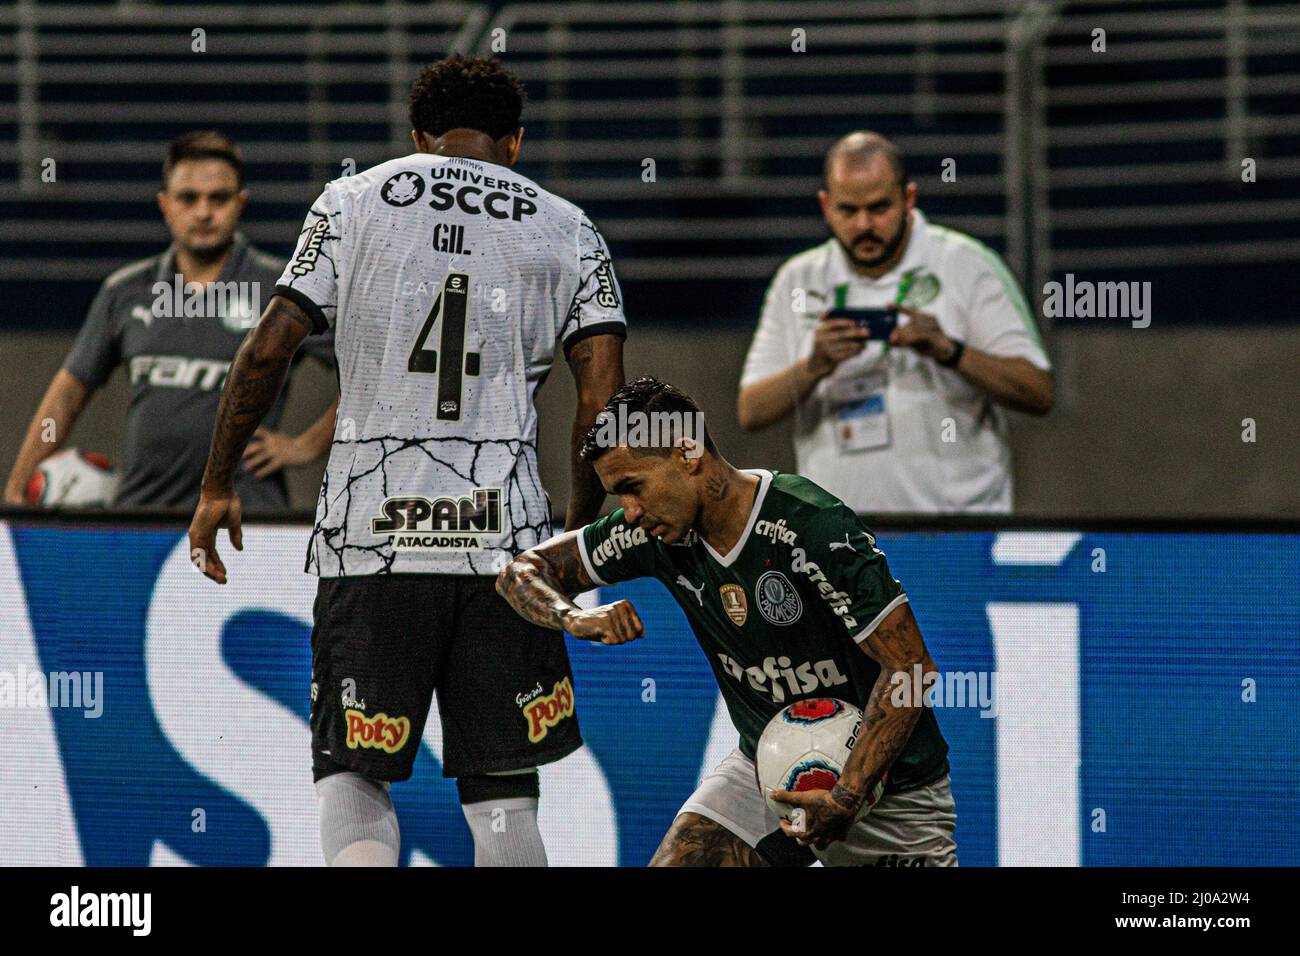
(71, 478)
(805, 747)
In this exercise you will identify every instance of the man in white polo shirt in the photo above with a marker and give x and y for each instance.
(912, 423)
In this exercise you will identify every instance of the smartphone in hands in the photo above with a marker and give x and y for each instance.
(879, 323)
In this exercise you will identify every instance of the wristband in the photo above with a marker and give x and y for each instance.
(959, 347)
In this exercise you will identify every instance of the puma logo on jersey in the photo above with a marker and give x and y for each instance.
(698, 592)
(871, 543)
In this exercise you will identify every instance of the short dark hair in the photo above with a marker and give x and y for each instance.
(861, 146)
(203, 144)
(646, 395)
(467, 92)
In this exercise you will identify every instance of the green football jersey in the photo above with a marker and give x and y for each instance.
(781, 615)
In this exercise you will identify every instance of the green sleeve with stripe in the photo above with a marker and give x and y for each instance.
(852, 574)
(613, 551)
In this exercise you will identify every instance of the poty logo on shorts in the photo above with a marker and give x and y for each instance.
(379, 732)
(545, 712)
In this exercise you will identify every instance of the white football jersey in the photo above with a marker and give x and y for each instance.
(448, 282)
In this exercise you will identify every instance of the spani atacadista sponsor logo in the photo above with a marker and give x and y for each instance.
(448, 523)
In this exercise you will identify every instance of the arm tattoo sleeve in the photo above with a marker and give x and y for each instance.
(537, 584)
(255, 379)
(897, 644)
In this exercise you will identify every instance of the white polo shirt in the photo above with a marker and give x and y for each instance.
(933, 442)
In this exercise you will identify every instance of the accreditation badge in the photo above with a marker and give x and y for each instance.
(862, 414)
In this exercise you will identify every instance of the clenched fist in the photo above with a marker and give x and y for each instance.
(615, 623)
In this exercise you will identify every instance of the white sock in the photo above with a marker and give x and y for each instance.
(366, 853)
(505, 832)
(358, 826)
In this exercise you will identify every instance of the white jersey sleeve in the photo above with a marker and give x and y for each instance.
(998, 318)
(597, 307)
(770, 351)
(311, 279)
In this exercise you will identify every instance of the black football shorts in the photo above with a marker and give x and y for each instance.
(381, 646)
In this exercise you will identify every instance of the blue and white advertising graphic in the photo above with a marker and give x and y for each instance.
(1125, 699)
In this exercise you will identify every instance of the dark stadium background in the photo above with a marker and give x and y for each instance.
(1116, 166)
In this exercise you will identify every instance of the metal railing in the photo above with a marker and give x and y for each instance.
(90, 93)
(1066, 158)
(1152, 175)
(736, 102)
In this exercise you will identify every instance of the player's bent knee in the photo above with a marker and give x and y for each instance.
(695, 840)
(358, 826)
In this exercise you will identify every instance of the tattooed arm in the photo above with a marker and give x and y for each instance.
(255, 379)
(539, 583)
(597, 366)
(898, 647)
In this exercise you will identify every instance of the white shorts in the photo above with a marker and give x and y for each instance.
(913, 828)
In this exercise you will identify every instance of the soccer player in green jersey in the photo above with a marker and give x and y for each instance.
(789, 598)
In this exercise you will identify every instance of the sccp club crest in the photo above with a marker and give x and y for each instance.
(402, 189)
(778, 601)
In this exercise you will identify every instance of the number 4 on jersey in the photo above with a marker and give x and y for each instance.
(452, 305)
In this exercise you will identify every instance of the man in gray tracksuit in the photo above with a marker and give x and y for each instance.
(175, 321)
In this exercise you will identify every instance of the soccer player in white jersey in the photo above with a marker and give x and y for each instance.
(449, 281)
